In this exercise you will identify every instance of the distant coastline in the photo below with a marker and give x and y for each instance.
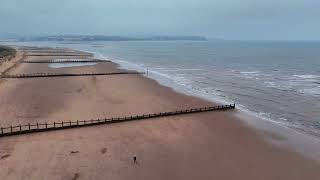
(113, 38)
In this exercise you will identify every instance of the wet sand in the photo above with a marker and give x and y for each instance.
(210, 145)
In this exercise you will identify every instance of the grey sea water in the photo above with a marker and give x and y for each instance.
(278, 81)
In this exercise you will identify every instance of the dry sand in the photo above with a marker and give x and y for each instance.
(211, 145)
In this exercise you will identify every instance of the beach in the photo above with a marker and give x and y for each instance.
(209, 145)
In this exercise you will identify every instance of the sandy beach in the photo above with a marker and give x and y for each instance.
(210, 145)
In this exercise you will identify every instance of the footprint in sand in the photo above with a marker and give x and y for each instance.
(76, 176)
(103, 150)
(74, 152)
(5, 156)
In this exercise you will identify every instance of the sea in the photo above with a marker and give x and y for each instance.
(277, 81)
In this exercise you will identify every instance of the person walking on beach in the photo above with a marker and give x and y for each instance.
(135, 160)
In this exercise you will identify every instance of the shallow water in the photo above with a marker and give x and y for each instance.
(278, 81)
(63, 65)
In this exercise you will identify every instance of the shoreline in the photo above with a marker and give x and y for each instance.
(166, 81)
(295, 139)
(265, 115)
(218, 100)
(250, 118)
(216, 141)
(244, 112)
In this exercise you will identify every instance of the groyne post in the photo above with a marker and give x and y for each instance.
(70, 124)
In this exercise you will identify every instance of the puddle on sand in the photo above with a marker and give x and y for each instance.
(63, 65)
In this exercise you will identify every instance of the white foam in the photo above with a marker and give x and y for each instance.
(308, 76)
(178, 69)
(249, 72)
(278, 85)
(311, 91)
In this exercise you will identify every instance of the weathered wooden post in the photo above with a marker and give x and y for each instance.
(37, 125)
(77, 122)
(1, 130)
(70, 123)
(11, 128)
(54, 124)
(62, 123)
(20, 127)
(29, 126)
(46, 125)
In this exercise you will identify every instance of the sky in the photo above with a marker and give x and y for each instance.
(223, 19)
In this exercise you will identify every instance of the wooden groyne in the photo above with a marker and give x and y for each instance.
(68, 61)
(59, 54)
(27, 48)
(41, 127)
(42, 75)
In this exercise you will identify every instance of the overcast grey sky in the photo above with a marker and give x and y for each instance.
(227, 19)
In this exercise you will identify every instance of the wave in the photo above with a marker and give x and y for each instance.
(178, 69)
(310, 91)
(249, 72)
(307, 76)
(278, 85)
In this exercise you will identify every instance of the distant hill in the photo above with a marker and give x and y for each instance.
(114, 38)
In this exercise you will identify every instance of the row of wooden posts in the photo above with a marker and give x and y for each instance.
(40, 75)
(40, 127)
(58, 54)
(68, 61)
